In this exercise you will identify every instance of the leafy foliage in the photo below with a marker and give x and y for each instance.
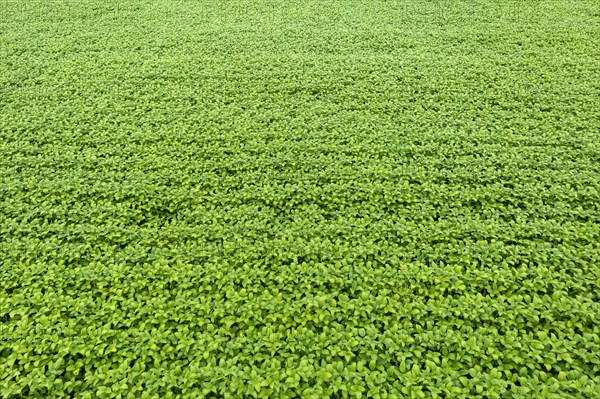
(299, 199)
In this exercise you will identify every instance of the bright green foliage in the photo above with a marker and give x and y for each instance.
(313, 199)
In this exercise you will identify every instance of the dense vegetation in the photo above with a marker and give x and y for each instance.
(383, 199)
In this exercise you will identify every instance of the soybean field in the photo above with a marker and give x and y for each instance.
(300, 199)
